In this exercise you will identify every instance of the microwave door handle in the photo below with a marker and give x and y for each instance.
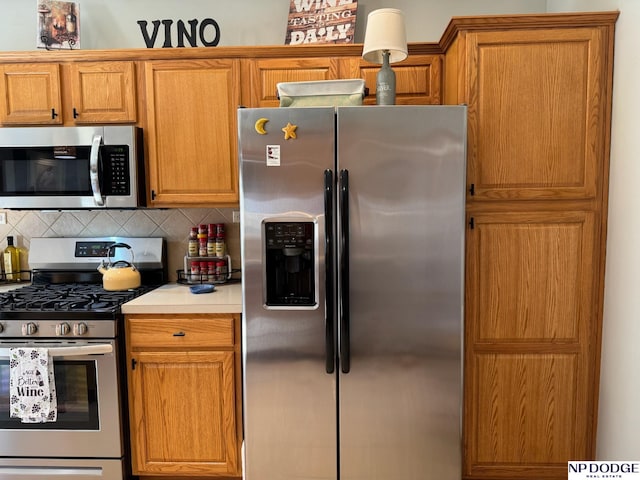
(93, 170)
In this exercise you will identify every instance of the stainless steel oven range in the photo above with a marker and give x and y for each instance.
(66, 310)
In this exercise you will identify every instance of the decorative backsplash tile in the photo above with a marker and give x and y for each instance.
(172, 224)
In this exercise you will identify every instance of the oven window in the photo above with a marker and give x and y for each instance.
(76, 392)
(44, 171)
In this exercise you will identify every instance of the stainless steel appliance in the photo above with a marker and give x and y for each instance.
(71, 167)
(352, 247)
(66, 310)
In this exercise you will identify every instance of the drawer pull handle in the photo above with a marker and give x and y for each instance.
(179, 334)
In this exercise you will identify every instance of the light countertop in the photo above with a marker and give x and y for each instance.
(177, 298)
(7, 287)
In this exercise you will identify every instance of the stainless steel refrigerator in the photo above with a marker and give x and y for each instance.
(352, 234)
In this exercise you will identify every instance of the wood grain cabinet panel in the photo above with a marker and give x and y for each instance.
(418, 79)
(528, 408)
(191, 133)
(103, 92)
(538, 91)
(185, 407)
(530, 355)
(266, 73)
(532, 273)
(184, 413)
(30, 94)
(95, 92)
(535, 113)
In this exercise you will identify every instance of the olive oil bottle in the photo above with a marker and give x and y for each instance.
(11, 258)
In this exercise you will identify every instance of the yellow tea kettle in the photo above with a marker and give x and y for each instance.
(120, 275)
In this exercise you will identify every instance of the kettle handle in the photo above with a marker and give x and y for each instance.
(123, 262)
(113, 246)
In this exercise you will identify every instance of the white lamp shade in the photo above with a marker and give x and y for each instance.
(385, 31)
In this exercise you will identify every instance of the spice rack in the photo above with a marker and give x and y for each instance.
(187, 277)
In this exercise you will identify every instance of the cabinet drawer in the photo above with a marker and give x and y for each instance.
(177, 333)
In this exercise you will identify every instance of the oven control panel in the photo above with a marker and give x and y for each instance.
(56, 328)
(92, 249)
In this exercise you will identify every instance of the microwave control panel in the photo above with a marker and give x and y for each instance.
(116, 171)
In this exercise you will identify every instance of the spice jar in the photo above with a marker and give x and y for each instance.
(219, 247)
(211, 272)
(193, 242)
(211, 246)
(202, 247)
(195, 271)
(221, 271)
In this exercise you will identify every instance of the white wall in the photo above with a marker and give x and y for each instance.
(619, 417)
(112, 24)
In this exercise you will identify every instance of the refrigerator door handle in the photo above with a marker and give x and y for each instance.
(329, 306)
(345, 354)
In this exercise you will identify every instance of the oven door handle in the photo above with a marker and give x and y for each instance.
(94, 175)
(99, 349)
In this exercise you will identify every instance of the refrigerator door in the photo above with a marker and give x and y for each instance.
(400, 402)
(289, 398)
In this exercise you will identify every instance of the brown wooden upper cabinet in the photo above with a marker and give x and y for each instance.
(266, 73)
(30, 94)
(103, 92)
(191, 133)
(96, 92)
(418, 78)
(535, 99)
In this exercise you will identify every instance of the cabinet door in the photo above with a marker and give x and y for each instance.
(103, 92)
(530, 356)
(418, 79)
(30, 94)
(191, 132)
(536, 124)
(183, 413)
(265, 74)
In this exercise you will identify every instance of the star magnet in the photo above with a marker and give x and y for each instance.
(289, 131)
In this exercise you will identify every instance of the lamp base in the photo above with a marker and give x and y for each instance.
(385, 83)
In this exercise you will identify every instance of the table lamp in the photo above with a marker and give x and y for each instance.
(385, 42)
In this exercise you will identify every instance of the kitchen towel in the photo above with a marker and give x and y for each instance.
(32, 385)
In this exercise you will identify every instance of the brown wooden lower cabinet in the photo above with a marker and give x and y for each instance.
(184, 395)
(530, 356)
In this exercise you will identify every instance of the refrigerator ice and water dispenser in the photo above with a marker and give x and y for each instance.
(289, 265)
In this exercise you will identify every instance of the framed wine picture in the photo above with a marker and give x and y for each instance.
(329, 21)
(58, 25)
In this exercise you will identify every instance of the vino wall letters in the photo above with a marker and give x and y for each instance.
(207, 31)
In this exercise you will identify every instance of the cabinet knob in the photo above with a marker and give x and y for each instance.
(179, 334)
(53, 114)
(75, 113)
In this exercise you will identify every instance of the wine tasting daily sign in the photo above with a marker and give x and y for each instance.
(321, 21)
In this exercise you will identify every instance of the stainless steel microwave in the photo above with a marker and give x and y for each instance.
(58, 168)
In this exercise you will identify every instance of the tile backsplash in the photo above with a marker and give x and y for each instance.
(172, 224)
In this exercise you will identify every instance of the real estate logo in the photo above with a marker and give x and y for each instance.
(604, 470)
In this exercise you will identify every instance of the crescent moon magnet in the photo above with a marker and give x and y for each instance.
(259, 126)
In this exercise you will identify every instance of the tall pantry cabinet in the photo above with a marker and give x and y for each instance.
(538, 90)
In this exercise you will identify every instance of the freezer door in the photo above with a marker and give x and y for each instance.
(289, 396)
(400, 402)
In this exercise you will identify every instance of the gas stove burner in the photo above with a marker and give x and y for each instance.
(70, 298)
(66, 285)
